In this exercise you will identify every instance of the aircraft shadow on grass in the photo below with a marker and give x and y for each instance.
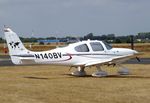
(44, 78)
(33, 77)
(128, 76)
(114, 76)
(89, 76)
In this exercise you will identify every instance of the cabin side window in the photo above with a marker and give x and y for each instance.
(82, 48)
(96, 46)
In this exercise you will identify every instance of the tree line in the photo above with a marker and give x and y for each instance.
(111, 38)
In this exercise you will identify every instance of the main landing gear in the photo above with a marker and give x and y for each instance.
(80, 72)
(99, 72)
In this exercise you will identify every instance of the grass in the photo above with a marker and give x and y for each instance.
(52, 84)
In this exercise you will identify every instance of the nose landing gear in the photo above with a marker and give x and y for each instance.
(123, 70)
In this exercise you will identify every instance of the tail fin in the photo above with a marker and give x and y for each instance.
(15, 45)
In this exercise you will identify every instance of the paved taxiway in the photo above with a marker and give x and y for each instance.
(5, 61)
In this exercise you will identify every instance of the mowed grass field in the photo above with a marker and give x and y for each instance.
(53, 84)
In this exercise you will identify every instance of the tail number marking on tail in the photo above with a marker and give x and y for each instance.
(55, 55)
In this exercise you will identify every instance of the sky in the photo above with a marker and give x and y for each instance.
(45, 18)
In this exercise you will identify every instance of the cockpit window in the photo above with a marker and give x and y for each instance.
(96, 46)
(107, 45)
(82, 48)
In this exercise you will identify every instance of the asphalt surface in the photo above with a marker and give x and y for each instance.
(5, 61)
(135, 61)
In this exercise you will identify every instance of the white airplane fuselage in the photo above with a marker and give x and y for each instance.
(69, 56)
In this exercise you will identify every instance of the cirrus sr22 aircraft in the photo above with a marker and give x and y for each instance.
(80, 55)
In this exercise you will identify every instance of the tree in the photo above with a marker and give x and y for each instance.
(89, 36)
(118, 41)
(2, 40)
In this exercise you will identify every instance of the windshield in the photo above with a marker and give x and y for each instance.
(107, 45)
(96, 46)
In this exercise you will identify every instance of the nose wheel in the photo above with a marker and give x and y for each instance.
(123, 71)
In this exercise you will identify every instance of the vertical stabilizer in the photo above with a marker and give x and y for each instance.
(15, 45)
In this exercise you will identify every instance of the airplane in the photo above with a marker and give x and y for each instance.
(80, 55)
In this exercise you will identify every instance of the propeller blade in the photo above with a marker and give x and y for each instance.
(138, 59)
(70, 68)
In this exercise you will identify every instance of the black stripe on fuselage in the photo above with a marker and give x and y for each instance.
(23, 55)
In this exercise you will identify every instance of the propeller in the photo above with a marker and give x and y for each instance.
(138, 59)
(70, 68)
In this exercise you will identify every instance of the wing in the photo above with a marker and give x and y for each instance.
(93, 62)
(116, 60)
(98, 62)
